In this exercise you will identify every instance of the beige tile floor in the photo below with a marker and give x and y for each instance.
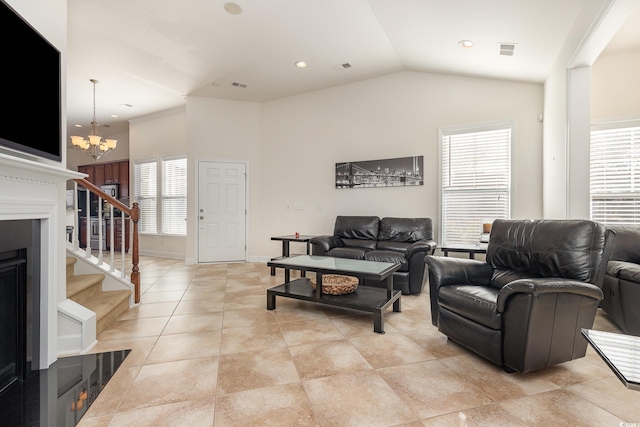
(206, 351)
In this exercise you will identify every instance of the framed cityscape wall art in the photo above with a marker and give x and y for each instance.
(398, 172)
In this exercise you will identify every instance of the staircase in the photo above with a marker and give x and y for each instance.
(86, 290)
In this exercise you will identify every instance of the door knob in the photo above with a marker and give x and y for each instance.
(201, 217)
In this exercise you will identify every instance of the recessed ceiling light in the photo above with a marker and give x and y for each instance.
(466, 43)
(126, 105)
(115, 116)
(232, 8)
(301, 64)
(78, 126)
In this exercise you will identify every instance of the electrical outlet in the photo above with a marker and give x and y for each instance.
(319, 206)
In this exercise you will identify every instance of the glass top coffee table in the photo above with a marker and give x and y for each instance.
(365, 298)
(620, 352)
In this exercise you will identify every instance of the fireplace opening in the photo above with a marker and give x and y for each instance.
(19, 301)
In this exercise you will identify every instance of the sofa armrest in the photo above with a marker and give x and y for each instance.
(444, 271)
(547, 285)
(426, 246)
(326, 243)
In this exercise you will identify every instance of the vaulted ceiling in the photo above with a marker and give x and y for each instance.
(150, 54)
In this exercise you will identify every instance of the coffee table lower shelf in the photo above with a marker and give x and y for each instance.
(364, 298)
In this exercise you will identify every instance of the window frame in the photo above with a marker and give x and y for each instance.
(472, 128)
(159, 197)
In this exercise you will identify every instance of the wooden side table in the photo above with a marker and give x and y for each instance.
(286, 240)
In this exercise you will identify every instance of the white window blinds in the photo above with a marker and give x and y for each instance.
(146, 189)
(174, 196)
(163, 208)
(615, 175)
(476, 180)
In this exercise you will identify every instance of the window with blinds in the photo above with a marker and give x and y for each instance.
(476, 180)
(146, 193)
(161, 192)
(615, 174)
(174, 196)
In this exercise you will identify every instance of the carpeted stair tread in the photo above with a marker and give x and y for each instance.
(106, 301)
(83, 286)
(86, 290)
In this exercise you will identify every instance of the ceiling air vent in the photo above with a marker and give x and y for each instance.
(242, 85)
(339, 67)
(507, 49)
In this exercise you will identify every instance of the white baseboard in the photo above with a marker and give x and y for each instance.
(162, 254)
(259, 258)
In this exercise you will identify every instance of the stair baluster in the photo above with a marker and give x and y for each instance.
(133, 214)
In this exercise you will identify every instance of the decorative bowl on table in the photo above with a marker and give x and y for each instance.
(336, 284)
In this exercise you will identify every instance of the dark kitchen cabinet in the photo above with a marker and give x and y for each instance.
(118, 231)
(82, 238)
(123, 179)
(98, 175)
(89, 170)
(109, 173)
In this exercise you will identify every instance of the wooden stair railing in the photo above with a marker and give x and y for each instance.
(134, 215)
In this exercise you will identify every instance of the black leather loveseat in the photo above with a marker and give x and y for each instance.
(404, 241)
(524, 306)
(622, 281)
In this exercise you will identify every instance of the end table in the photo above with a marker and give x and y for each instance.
(285, 246)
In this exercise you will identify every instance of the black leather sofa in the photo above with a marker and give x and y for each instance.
(523, 307)
(404, 241)
(621, 286)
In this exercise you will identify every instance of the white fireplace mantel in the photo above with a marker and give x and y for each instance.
(32, 189)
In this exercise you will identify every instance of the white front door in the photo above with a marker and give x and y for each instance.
(221, 211)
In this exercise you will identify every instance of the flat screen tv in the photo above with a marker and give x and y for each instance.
(30, 88)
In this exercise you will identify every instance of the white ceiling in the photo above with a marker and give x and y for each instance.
(152, 53)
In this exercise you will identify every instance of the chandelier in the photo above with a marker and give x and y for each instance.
(94, 145)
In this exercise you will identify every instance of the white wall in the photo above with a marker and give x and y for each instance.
(302, 137)
(291, 146)
(220, 130)
(153, 137)
(615, 86)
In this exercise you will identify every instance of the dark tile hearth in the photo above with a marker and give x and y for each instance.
(60, 395)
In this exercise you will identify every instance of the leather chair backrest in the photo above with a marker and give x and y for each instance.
(572, 249)
(357, 227)
(406, 229)
(626, 246)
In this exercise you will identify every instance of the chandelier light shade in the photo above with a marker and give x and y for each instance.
(94, 145)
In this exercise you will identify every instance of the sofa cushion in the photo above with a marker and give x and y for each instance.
(360, 243)
(624, 270)
(406, 229)
(626, 243)
(344, 252)
(502, 277)
(572, 249)
(388, 256)
(357, 227)
(393, 246)
(477, 303)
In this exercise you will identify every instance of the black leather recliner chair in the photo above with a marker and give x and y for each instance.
(403, 241)
(524, 306)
